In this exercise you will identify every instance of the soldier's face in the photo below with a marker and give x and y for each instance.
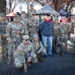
(16, 20)
(31, 7)
(62, 34)
(33, 16)
(35, 39)
(26, 41)
(23, 15)
(56, 21)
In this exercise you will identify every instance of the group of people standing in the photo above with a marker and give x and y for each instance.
(62, 32)
(24, 45)
(23, 41)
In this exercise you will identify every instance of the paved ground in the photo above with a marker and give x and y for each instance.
(57, 65)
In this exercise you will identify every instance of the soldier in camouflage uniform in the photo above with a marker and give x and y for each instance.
(56, 32)
(62, 41)
(33, 26)
(65, 26)
(73, 26)
(24, 54)
(24, 22)
(71, 44)
(31, 10)
(38, 47)
(3, 25)
(14, 31)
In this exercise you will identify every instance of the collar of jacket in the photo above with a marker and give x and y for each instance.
(47, 20)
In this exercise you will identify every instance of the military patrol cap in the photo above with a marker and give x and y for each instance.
(35, 36)
(31, 5)
(25, 37)
(62, 31)
(23, 12)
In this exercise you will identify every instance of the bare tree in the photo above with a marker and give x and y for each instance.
(56, 4)
(2, 6)
(12, 4)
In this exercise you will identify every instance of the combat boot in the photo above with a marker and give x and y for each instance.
(62, 53)
(41, 59)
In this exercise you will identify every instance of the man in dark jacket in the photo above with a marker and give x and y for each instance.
(46, 31)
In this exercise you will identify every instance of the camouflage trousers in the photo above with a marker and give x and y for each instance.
(33, 56)
(62, 47)
(11, 48)
(4, 51)
(4, 47)
(71, 46)
(19, 62)
(40, 55)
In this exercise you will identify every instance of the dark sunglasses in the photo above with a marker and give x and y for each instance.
(27, 40)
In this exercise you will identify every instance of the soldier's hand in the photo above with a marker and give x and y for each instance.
(29, 59)
(25, 68)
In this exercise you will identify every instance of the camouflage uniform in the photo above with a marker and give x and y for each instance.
(70, 31)
(24, 22)
(56, 30)
(62, 41)
(71, 44)
(31, 10)
(33, 27)
(65, 27)
(38, 47)
(56, 33)
(73, 27)
(23, 52)
(3, 42)
(14, 33)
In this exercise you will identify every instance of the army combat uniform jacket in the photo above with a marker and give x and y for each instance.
(23, 52)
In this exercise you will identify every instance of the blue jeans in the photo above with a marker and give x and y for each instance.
(48, 40)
